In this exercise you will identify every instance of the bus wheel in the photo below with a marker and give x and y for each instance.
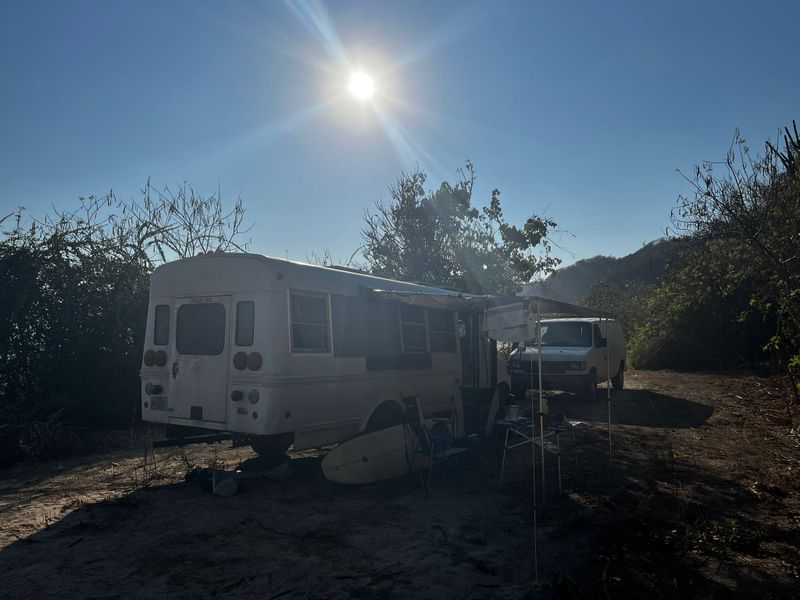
(386, 415)
(272, 448)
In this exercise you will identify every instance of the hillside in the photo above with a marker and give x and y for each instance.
(574, 282)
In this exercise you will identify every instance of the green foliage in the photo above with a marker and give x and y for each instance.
(736, 295)
(700, 316)
(755, 204)
(628, 301)
(73, 305)
(70, 330)
(441, 238)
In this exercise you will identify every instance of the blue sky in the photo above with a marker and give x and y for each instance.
(578, 110)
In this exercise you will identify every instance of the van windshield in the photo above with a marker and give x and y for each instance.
(565, 334)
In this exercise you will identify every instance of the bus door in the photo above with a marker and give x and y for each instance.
(199, 369)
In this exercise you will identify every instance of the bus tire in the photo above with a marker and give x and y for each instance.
(386, 415)
(272, 448)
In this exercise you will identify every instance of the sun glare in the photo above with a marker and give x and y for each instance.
(361, 85)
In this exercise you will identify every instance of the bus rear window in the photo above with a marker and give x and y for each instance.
(201, 329)
(161, 325)
(245, 322)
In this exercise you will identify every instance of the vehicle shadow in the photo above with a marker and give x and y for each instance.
(642, 408)
(301, 538)
(618, 533)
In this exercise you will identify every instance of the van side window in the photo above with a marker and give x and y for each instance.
(412, 329)
(161, 325)
(245, 322)
(597, 334)
(310, 322)
(442, 331)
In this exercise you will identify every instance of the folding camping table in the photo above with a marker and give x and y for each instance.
(522, 430)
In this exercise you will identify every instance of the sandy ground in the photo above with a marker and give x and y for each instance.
(702, 500)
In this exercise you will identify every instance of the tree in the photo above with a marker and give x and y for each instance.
(73, 305)
(752, 209)
(698, 316)
(628, 301)
(441, 238)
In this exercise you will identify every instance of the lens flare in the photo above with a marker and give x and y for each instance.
(361, 85)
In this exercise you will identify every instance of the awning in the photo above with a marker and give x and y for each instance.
(515, 321)
(506, 318)
(444, 300)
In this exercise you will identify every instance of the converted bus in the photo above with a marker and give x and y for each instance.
(278, 352)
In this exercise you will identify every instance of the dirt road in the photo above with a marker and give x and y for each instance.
(702, 500)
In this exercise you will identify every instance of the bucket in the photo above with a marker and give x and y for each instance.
(512, 412)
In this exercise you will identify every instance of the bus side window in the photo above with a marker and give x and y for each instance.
(310, 321)
(161, 325)
(441, 329)
(412, 329)
(245, 322)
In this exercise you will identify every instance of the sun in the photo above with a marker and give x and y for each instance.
(361, 86)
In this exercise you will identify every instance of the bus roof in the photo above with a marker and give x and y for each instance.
(201, 263)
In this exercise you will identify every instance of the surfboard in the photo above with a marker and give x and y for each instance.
(374, 456)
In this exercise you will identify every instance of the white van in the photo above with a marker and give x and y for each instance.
(577, 353)
(284, 353)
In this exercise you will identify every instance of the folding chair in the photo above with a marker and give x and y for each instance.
(433, 443)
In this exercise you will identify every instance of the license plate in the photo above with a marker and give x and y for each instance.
(158, 402)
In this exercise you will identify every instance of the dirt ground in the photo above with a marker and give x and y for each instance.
(702, 500)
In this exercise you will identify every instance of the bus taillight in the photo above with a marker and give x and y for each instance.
(240, 361)
(149, 358)
(254, 361)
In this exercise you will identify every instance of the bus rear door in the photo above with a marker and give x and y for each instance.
(199, 369)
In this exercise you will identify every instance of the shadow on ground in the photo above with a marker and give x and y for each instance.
(658, 523)
(641, 408)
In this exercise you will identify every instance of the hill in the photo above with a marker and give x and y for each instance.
(574, 282)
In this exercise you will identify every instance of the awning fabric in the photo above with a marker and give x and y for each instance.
(444, 300)
(516, 321)
(510, 322)
(506, 318)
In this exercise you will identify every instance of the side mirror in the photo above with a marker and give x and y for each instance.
(601, 343)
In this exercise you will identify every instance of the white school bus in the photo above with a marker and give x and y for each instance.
(279, 352)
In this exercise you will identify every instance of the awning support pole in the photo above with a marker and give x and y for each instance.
(533, 459)
(608, 387)
(541, 401)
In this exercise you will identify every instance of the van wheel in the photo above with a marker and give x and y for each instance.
(386, 415)
(272, 448)
(590, 391)
(618, 381)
